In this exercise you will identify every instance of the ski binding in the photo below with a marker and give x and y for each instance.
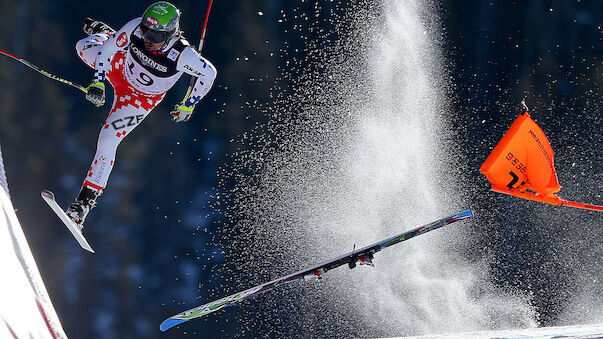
(48, 196)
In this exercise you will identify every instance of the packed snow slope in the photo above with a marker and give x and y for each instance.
(25, 307)
(579, 331)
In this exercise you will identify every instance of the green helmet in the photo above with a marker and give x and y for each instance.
(162, 17)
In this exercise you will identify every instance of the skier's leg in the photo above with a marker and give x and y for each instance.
(120, 123)
(98, 32)
(88, 47)
(92, 26)
(129, 108)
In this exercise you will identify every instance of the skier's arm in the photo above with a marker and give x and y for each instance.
(194, 64)
(118, 41)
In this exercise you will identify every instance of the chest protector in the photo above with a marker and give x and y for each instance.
(152, 73)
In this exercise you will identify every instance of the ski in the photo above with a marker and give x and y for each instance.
(363, 256)
(48, 196)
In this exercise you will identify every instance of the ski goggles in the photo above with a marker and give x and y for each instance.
(153, 35)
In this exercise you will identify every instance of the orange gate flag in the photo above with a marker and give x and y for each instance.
(522, 165)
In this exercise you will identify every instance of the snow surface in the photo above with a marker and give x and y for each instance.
(26, 310)
(3, 183)
(580, 331)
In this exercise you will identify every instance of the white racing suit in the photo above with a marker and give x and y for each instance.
(140, 80)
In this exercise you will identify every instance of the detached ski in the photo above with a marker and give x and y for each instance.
(363, 256)
(49, 198)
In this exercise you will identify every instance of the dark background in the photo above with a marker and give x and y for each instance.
(157, 228)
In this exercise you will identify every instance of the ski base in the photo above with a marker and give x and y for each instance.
(48, 196)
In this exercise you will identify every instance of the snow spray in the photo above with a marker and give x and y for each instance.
(354, 151)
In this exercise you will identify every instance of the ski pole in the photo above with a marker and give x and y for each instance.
(43, 72)
(203, 29)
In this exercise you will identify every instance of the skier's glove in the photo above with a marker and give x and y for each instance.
(96, 93)
(181, 113)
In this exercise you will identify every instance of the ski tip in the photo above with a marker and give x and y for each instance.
(467, 213)
(169, 323)
(462, 215)
(47, 193)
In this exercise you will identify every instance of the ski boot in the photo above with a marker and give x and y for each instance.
(82, 205)
(92, 26)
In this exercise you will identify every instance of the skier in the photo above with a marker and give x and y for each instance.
(142, 61)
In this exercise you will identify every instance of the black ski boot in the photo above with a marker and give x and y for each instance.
(92, 26)
(82, 205)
